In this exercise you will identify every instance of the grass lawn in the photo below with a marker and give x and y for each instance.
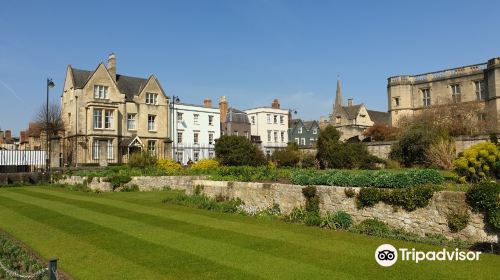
(135, 236)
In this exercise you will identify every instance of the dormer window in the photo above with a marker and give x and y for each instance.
(300, 130)
(100, 92)
(337, 119)
(151, 98)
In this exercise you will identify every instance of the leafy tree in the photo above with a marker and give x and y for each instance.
(287, 157)
(381, 132)
(238, 151)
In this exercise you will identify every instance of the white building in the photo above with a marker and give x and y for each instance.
(271, 125)
(195, 129)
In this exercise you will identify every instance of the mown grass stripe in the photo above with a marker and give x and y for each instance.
(276, 248)
(83, 259)
(168, 262)
(249, 261)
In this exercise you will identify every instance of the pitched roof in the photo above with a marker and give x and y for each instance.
(379, 117)
(236, 116)
(309, 124)
(352, 111)
(130, 86)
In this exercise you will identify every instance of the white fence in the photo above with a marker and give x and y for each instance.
(30, 159)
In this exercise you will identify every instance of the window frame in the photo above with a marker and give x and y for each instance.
(426, 97)
(132, 121)
(151, 123)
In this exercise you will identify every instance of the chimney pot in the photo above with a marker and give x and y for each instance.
(112, 65)
(8, 135)
(349, 102)
(207, 103)
(223, 105)
(275, 104)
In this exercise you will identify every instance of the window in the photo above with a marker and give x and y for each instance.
(426, 97)
(210, 154)
(180, 156)
(196, 138)
(131, 121)
(303, 141)
(196, 118)
(300, 130)
(97, 118)
(110, 149)
(480, 90)
(297, 140)
(455, 93)
(315, 130)
(108, 118)
(151, 123)
(282, 137)
(275, 118)
(252, 119)
(179, 117)
(338, 119)
(210, 138)
(275, 137)
(152, 147)
(246, 134)
(100, 92)
(151, 98)
(396, 101)
(179, 137)
(196, 156)
(269, 136)
(235, 132)
(282, 120)
(268, 116)
(95, 149)
(210, 120)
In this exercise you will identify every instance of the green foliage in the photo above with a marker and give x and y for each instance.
(368, 197)
(457, 220)
(312, 219)
(349, 192)
(411, 198)
(221, 204)
(249, 173)
(312, 199)
(342, 220)
(238, 151)
(297, 215)
(368, 178)
(484, 196)
(372, 227)
(478, 162)
(133, 188)
(493, 138)
(118, 180)
(17, 258)
(494, 218)
(308, 160)
(141, 160)
(286, 157)
(413, 143)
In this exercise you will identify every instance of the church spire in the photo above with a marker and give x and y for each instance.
(338, 96)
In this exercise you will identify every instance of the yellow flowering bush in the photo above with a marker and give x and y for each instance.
(205, 164)
(169, 165)
(478, 162)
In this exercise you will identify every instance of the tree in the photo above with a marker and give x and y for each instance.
(290, 156)
(238, 151)
(55, 122)
(381, 132)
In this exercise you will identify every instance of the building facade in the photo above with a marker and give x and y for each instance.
(473, 84)
(196, 129)
(304, 133)
(233, 121)
(271, 125)
(108, 116)
(352, 120)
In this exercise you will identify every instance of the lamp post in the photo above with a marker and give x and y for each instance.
(175, 99)
(50, 84)
(76, 130)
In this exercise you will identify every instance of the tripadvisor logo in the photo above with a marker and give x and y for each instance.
(387, 255)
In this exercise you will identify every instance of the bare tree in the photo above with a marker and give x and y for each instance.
(55, 122)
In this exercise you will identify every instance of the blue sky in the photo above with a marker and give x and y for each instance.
(250, 51)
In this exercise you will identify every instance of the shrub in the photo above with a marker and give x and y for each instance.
(381, 132)
(205, 164)
(478, 162)
(312, 199)
(286, 157)
(494, 218)
(221, 204)
(411, 198)
(118, 180)
(308, 160)
(238, 151)
(392, 164)
(133, 188)
(368, 197)
(342, 220)
(141, 159)
(297, 215)
(373, 227)
(312, 219)
(328, 221)
(457, 220)
(169, 165)
(349, 192)
(441, 153)
(484, 196)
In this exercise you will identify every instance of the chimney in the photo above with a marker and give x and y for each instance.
(8, 135)
(23, 138)
(275, 104)
(349, 102)
(223, 108)
(1, 136)
(207, 103)
(112, 65)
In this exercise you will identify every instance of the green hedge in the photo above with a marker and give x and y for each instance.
(368, 178)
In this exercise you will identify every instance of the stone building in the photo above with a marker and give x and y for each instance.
(107, 115)
(233, 121)
(352, 120)
(304, 133)
(196, 129)
(477, 84)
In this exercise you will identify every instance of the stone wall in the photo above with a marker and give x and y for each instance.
(383, 148)
(259, 196)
